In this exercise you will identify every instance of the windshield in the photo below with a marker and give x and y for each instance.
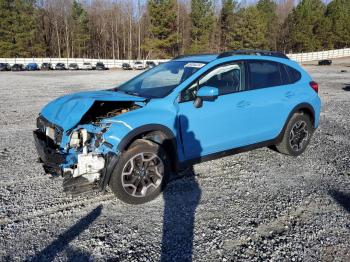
(161, 80)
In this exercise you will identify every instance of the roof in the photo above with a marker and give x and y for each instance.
(253, 52)
(210, 57)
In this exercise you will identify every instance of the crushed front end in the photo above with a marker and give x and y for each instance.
(82, 154)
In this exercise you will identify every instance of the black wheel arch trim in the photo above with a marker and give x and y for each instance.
(297, 108)
(170, 139)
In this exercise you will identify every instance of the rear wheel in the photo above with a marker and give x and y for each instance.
(141, 174)
(297, 135)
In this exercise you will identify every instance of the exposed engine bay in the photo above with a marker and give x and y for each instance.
(107, 109)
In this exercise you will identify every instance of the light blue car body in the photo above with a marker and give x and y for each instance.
(231, 121)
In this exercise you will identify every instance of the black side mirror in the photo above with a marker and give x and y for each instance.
(198, 102)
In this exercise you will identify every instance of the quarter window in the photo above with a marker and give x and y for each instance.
(294, 75)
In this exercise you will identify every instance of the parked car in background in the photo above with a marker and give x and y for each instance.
(73, 66)
(100, 66)
(185, 111)
(32, 67)
(46, 66)
(18, 67)
(87, 66)
(150, 64)
(60, 66)
(138, 65)
(325, 62)
(5, 67)
(126, 66)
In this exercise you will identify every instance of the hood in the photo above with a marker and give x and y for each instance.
(67, 111)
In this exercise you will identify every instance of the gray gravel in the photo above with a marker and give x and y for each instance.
(255, 206)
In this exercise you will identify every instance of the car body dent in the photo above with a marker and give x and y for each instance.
(67, 111)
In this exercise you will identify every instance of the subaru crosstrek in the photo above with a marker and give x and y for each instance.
(190, 109)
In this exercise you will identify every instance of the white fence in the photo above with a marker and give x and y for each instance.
(113, 63)
(330, 54)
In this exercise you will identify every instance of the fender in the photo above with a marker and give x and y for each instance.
(301, 106)
(126, 141)
(168, 142)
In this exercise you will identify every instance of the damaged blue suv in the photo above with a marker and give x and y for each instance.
(190, 109)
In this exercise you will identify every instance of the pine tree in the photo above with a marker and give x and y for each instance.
(202, 19)
(18, 28)
(80, 34)
(338, 13)
(304, 22)
(163, 37)
(249, 32)
(227, 22)
(7, 15)
(267, 9)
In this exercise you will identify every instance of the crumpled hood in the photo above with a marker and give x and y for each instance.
(68, 110)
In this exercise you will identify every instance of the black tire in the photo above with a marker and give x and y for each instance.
(296, 146)
(128, 162)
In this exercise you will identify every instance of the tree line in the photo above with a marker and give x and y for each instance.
(135, 29)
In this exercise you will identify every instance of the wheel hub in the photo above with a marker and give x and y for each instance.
(299, 135)
(142, 174)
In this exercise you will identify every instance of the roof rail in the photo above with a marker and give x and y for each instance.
(182, 56)
(253, 52)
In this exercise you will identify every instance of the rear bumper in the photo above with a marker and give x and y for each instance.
(49, 155)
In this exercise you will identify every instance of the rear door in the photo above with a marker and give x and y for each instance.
(269, 95)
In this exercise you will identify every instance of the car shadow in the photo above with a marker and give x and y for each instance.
(181, 199)
(341, 198)
(346, 87)
(63, 240)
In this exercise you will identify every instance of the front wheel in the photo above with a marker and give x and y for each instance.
(297, 135)
(141, 173)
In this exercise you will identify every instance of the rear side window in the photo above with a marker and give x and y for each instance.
(294, 75)
(264, 74)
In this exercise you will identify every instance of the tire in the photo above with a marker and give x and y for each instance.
(141, 173)
(297, 135)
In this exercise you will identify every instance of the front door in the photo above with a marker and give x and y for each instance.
(220, 124)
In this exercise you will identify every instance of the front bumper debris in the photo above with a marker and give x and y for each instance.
(48, 153)
(90, 171)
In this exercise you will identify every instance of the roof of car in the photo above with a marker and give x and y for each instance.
(210, 57)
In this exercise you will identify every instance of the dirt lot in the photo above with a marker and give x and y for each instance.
(254, 206)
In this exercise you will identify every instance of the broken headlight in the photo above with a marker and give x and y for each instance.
(78, 138)
(52, 131)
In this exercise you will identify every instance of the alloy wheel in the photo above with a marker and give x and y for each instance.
(142, 174)
(299, 135)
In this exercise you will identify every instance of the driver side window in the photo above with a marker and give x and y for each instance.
(228, 78)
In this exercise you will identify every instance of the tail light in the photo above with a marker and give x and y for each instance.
(314, 86)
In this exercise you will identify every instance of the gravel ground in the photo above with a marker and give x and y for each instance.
(258, 205)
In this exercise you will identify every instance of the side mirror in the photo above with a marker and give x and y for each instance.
(206, 93)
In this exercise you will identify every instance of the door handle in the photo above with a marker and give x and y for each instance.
(243, 104)
(289, 94)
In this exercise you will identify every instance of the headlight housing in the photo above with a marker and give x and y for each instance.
(78, 138)
(75, 140)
